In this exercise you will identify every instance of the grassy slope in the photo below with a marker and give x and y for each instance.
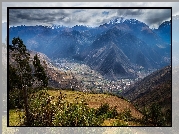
(93, 101)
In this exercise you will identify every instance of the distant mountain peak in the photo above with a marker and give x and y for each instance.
(166, 23)
(116, 20)
(133, 21)
(122, 20)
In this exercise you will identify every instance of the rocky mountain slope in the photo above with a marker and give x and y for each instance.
(155, 88)
(57, 78)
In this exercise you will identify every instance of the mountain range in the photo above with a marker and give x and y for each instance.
(117, 49)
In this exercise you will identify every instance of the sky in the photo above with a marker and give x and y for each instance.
(90, 17)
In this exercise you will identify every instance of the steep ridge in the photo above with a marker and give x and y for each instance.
(164, 31)
(137, 51)
(110, 61)
(57, 78)
(155, 88)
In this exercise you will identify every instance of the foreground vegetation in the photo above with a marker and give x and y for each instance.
(52, 108)
(55, 107)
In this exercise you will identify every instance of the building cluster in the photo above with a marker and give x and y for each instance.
(91, 80)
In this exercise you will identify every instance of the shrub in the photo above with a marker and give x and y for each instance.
(41, 110)
(15, 99)
(107, 112)
(125, 115)
(76, 114)
(45, 112)
(119, 123)
(154, 115)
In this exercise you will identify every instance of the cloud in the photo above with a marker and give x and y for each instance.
(86, 16)
(131, 12)
(92, 17)
(157, 16)
(152, 17)
(37, 16)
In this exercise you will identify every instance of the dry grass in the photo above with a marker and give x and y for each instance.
(95, 100)
(15, 117)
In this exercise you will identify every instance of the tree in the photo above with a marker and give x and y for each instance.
(23, 70)
(145, 118)
(13, 78)
(39, 71)
(15, 95)
(21, 74)
(156, 115)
